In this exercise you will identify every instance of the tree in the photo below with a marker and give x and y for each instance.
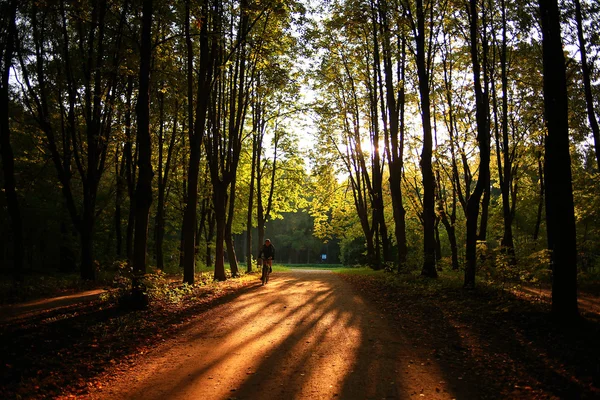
(423, 52)
(483, 139)
(8, 15)
(196, 125)
(143, 191)
(74, 107)
(585, 72)
(560, 215)
(394, 124)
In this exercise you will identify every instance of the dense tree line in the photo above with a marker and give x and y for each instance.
(505, 114)
(156, 132)
(125, 112)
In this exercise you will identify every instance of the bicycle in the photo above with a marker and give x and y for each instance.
(266, 270)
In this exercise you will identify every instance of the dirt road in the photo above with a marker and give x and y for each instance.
(305, 335)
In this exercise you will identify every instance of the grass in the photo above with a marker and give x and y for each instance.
(315, 266)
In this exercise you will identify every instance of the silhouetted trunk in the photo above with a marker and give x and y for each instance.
(376, 195)
(163, 181)
(97, 131)
(260, 210)
(143, 191)
(159, 218)
(538, 220)
(231, 256)
(210, 234)
(485, 69)
(449, 221)
(119, 191)
(264, 210)
(472, 212)
(427, 153)
(88, 270)
(220, 203)
(130, 172)
(438, 243)
(585, 72)
(197, 127)
(249, 253)
(224, 143)
(485, 212)
(396, 154)
(6, 152)
(451, 231)
(506, 175)
(560, 215)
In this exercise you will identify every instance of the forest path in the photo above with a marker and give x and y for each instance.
(27, 309)
(305, 335)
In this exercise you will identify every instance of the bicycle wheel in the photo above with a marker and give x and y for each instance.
(264, 276)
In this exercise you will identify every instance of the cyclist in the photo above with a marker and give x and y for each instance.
(267, 253)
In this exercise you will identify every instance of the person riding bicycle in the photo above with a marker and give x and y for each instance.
(267, 253)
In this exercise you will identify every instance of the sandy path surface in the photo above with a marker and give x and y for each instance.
(305, 335)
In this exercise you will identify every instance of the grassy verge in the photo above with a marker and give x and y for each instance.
(315, 266)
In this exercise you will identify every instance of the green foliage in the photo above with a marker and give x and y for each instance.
(500, 268)
(157, 285)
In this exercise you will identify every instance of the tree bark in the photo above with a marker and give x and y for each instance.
(159, 218)
(6, 152)
(231, 256)
(255, 128)
(506, 182)
(560, 215)
(538, 220)
(585, 72)
(130, 172)
(163, 181)
(428, 269)
(119, 177)
(197, 127)
(143, 191)
(220, 202)
(472, 212)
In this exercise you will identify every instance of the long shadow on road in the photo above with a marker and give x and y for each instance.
(305, 335)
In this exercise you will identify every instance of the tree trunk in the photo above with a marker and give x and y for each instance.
(485, 212)
(428, 269)
(585, 72)
(88, 270)
(399, 218)
(472, 212)
(220, 202)
(119, 176)
(143, 191)
(6, 152)
(159, 218)
(396, 114)
(233, 264)
(210, 234)
(251, 192)
(196, 132)
(507, 175)
(538, 220)
(560, 215)
(438, 243)
(453, 247)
